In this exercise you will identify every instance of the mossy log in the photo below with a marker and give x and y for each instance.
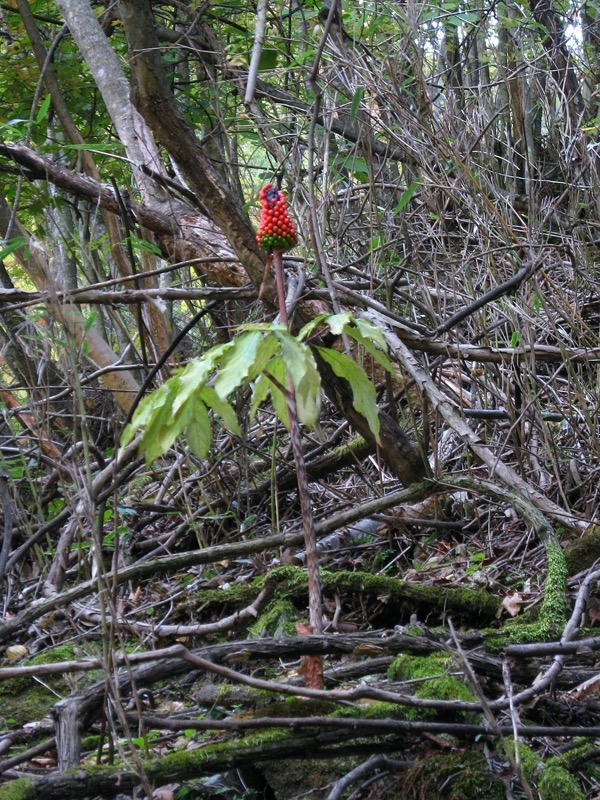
(452, 776)
(399, 596)
(107, 781)
(583, 552)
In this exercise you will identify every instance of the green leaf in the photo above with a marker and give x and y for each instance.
(363, 332)
(366, 334)
(406, 197)
(260, 392)
(515, 338)
(90, 321)
(15, 121)
(266, 327)
(338, 322)
(307, 329)
(164, 427)
(268, 347)
(237, 362)
(128, 435)
(222, 408)
(277, 379)
(358, 96)
(143, 245)
(302, 369)
(464, 18)
(360, 169)
(355, 164)
(198, 431)
(197, 372)
(11, 245)
(268, 59)
(43, 109)
(153, 434)
(374, 352)
(363, 392)
(370, 331)
(148, 408)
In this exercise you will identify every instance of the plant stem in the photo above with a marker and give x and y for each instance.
(315, 606)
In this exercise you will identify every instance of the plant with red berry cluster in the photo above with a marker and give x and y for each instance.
(276, 230)
(276, 234)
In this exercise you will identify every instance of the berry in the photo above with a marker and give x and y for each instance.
(276, 230)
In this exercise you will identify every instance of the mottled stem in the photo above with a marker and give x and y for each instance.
(279, 282)
(315, 605)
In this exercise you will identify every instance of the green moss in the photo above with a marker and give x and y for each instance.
(528, 760)
(21, 789)
(62, 652)
(307, 777)
(90, 742)
(434, 682)
(448, 687)
(298, 707)
(240, 594)
(292, 581)
(432, 670)
(557, 783)
(415, 630)
(228, 696)
(553, 612)
(471, 601)
(406, 668)
(197, 762)
(26, 705)
(583, 552)
(278, 619)
(24, 699)
(462, 776)
(372, 710)
(525, 760)
(224, 694)
(552, 777)
(135, 489)
(554, 606)
(576, 757)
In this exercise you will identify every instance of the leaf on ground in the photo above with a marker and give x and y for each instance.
(513, 603)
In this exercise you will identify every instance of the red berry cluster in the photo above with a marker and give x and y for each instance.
(276, 230)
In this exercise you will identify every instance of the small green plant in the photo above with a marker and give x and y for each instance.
(142, 741)
(475, 562)
(273, 363)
